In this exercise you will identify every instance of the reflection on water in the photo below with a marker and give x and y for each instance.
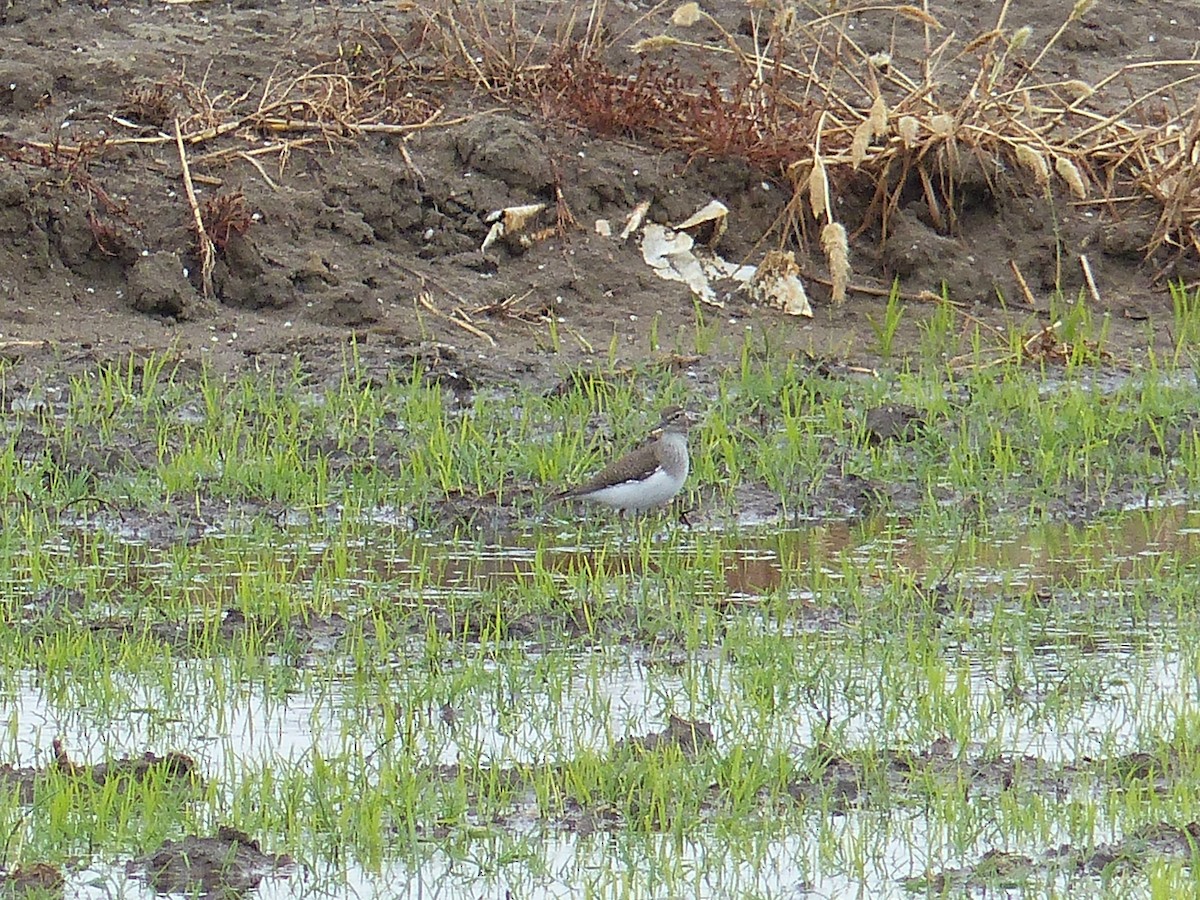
(1067, 696)
(755, 563)
(752, 562)
(609, 695)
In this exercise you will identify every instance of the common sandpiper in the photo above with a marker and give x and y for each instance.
(646, 477)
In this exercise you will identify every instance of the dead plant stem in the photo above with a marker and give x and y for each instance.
(205, 246)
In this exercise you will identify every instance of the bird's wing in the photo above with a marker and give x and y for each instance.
(643, 459)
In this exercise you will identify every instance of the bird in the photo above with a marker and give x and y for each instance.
(645, 477)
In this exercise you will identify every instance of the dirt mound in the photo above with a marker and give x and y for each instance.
(344, 170)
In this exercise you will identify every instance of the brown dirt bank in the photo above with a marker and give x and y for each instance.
(345, 161)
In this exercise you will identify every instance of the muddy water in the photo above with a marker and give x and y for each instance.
(563, 866)
(536, 703)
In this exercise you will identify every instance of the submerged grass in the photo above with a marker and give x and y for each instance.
(394, 661)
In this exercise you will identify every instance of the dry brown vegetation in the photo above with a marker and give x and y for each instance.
(789, 92)
(802, 100)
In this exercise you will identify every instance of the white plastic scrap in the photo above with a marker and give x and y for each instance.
(715, 212)
(509, 221)
(670, 254)
(674, 256)
(777, 284)
(634, 222)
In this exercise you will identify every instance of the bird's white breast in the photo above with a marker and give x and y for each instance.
(654, 491)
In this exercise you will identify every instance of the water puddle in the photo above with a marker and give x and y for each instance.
(999, 693)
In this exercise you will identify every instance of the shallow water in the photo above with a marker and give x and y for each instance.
(1066, 690)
